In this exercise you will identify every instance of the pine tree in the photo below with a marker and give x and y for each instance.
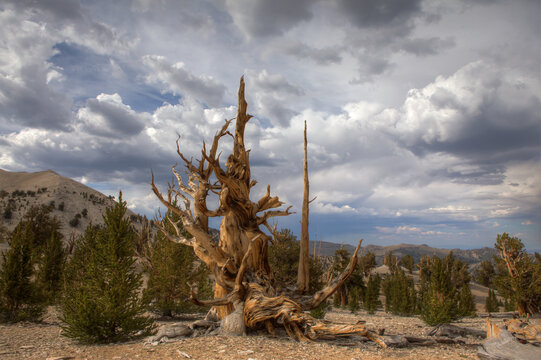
(20, 298)
(51, 267)
(439, 302)
(485, 273)
(353, 301)
(101, 302)
(284, 259)
(444, 292)
(390, 261)
(519, 275)
(367, 262)
(43, 226)
(508, 305)
(399, 293)
(466, 305)
(407, 262)
(371, 296)
(172, 267)
(355, 280)
(491, 302)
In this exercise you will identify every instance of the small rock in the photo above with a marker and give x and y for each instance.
(182, 353)
(245, 352)
(233, 324)
(171, 331)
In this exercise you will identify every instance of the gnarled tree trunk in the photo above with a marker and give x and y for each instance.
(239, 261)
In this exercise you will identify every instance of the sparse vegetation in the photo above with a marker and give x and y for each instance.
(8, 212)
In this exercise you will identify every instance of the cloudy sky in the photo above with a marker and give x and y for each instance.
(424, 117)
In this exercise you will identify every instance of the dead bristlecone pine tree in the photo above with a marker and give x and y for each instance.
(244, 285)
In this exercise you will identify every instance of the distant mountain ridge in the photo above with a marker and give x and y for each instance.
(416, 251)
(69, 199)
(20, 190)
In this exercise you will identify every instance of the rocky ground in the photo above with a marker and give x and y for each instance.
(44, 341)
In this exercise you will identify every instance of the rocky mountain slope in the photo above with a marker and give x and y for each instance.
(74, 204)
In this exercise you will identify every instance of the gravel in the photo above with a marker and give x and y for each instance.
(45, 341)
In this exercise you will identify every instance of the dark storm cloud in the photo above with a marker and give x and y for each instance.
(497, 130)
(57, 9)
(424, 47)
(118, 117)
(486, 174)
(380, 13)
(370, 66)
(321, 56)
(101, 159)
(260, 18)
(30, 102)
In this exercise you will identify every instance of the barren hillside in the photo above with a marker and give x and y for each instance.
(70, 199)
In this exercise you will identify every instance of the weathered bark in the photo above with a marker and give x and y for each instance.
(239, 260)
(501, 344)
(303, 278)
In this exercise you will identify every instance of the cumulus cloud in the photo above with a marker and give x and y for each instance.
(29, 95)
(80, 94)
(482, 112)
(106, 115)
(176, 79)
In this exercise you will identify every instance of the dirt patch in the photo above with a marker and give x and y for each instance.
(44, 340)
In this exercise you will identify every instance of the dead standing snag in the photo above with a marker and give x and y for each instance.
(239, 260)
